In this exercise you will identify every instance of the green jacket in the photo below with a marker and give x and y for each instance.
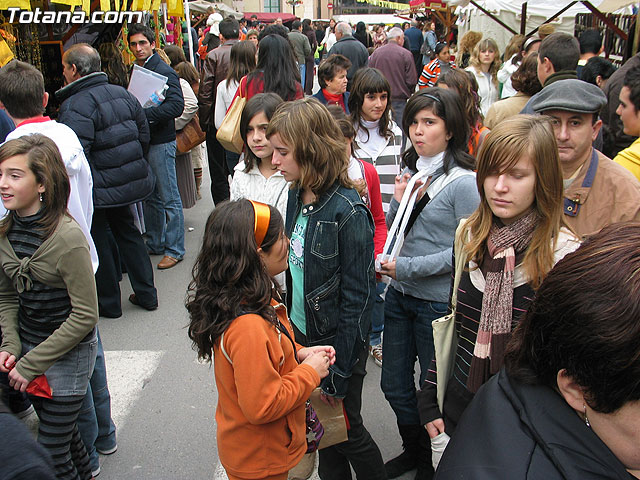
(62, 261)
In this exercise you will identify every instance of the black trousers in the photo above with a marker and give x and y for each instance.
(217, 167)
(118, 222)
(359, 451)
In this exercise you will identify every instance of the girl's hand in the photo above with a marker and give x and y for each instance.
(435, 428)
(388, 268)
(320, 363)
(401, 183)
(326, 399)
(17, 381)
(6, 361)
(303, 353)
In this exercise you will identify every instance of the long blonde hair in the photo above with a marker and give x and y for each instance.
(504, 146)
(317, 144)
(481, 46)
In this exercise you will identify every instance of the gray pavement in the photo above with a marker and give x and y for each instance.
(164, 399)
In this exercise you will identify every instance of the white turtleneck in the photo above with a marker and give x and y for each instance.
(375, 143)
(430, 164)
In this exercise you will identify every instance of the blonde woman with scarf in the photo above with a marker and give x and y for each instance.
(510, 243)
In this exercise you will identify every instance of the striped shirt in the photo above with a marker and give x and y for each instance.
(468, 309)
(431, 73)
(42, 309)
(387, 163)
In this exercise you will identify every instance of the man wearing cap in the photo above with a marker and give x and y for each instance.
(597, 191)
(397, 65)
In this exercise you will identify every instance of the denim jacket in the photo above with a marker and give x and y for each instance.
(339, 277)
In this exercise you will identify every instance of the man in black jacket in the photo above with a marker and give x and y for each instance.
(351, 48)
(163, 209)
(113, 131)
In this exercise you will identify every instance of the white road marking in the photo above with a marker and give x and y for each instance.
(128, 371)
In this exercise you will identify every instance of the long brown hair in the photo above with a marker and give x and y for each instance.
(242, 61)
(44, 160)
(317, 144)
(481, 46)
(229, 276)
(504, 146)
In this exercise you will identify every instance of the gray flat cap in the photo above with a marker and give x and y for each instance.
(571, 95)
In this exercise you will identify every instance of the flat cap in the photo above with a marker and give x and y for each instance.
(571, 95)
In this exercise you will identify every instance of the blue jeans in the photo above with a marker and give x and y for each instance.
(163, 209)
(407, 335)
(94, 421)
(303, 70)
(377, 317)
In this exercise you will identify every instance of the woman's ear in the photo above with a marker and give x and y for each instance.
(570, 391)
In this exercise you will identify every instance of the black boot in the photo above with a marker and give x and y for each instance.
(425, 466)
(408, 459)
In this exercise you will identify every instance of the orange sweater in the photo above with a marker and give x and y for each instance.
(261, 398)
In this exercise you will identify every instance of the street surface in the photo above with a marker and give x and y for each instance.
(164, 400)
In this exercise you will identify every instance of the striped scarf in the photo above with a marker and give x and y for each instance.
(494, 331)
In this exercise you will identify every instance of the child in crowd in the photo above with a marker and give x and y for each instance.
(255, 177)
(331, 280)
(364, 173)
(511, 242)
(45, 261)
(421, 273)
(378, 138)
(238, 321)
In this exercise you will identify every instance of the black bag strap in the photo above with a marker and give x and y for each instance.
(284, 330)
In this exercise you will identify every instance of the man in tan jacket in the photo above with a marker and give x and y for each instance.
(597, 191)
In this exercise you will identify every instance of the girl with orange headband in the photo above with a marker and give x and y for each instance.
(237, 320)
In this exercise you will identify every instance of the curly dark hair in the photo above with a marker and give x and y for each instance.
(229, 276)
(525, 78)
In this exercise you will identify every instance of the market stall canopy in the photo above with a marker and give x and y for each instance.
(371, 19)
(544, 7)
(474, 15)
(264, 17)
(200, 6)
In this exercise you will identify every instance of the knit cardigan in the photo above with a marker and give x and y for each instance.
(62, 261)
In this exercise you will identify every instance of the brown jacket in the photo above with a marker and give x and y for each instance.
(215, 69)
(614, 196)
(505, 108)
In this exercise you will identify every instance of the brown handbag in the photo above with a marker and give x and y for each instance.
(190, 136)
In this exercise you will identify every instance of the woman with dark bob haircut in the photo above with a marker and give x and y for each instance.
(567, 403)
(421, 272)
(526, 83)
(332, 77)
(378, 138)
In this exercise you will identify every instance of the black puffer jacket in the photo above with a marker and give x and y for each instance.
(114, 133)
(513, 431)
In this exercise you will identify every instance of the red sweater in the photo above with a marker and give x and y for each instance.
(375, 205)
(256, 86)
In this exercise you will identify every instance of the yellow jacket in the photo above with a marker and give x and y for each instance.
(629, 158)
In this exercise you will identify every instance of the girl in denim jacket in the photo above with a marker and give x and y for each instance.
(48, 300)
(331, 277)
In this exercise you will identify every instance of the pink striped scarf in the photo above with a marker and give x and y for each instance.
(494, 331)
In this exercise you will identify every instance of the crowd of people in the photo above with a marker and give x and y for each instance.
(410, 186)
